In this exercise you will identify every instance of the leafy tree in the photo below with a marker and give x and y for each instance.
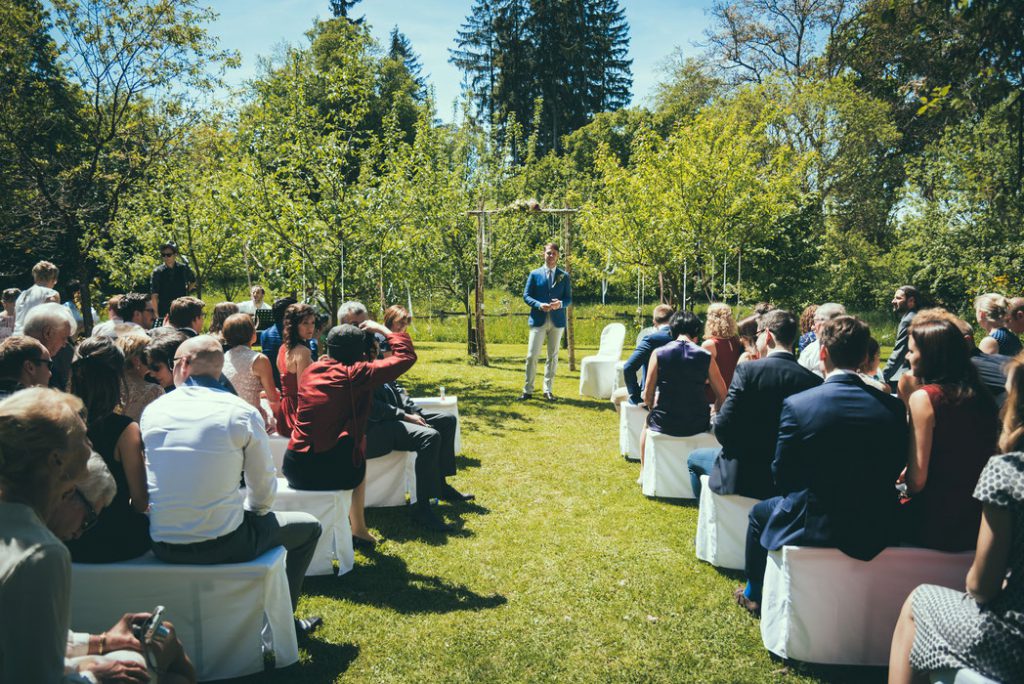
(688, 87)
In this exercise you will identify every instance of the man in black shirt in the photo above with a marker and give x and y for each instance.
(170, 280)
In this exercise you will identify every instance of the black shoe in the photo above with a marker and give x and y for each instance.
(525, 396)
(425, 517)
(306, 626)
(363, 544)
(453, 495)
(548, 396)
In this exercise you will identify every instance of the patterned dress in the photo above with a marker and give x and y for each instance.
(953, 631)
(238, 369)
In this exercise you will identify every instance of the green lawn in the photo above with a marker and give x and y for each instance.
(560, 571)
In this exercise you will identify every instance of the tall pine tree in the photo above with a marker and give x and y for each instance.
(572, 53)
(400, 49)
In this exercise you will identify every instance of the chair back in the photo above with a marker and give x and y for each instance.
(612, 338)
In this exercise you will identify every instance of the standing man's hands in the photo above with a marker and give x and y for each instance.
(555, 304)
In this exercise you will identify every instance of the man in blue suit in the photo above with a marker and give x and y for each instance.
(637, 361)
(547, 292)
(840, 448)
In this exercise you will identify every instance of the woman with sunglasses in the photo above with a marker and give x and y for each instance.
(121, 530)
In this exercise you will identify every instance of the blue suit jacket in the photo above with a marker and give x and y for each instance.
(841, 447)
(638, 361)
(537, 292)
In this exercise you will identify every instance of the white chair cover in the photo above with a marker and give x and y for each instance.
(665, 473)
(447, 405)
(821, 606)
(960, 677)
(331, 509)
(631, 425)
(390, 478)
(278, 445)
(722, 527)
(597, 373)
(226, 616)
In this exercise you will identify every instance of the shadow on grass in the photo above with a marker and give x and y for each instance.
(386, 582)
(462, 462)
(835, 674)
(325, 662)
(396, 524)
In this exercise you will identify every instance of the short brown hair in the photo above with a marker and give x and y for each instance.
(45, 271)
(184, 310)
(395, 313)
(238, 330)
(846, 339)
(11, 294)
(15, 351)
(662, 313)
(552, 245)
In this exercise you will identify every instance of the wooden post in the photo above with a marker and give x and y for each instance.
(569, 332)
(481, 339)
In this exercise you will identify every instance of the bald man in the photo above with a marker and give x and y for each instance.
(198, 439)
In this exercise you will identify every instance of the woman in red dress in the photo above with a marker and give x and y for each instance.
(292, 358)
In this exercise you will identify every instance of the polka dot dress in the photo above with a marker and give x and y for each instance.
(952, 630)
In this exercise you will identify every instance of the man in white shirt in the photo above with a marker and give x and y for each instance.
(256, 303)
(133, 309)
(198, 439)
(810, 355)
(45, 275)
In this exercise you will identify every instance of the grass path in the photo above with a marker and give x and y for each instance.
(561, 571)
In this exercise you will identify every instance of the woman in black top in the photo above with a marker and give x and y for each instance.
(122, 528)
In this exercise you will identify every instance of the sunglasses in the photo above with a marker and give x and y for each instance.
(47, 362)
(90, 513)
(166, 254)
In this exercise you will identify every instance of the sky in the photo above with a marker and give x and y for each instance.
(256, 28)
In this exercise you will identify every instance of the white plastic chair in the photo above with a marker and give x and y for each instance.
(597, 373)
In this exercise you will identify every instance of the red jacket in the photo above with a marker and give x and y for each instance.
(335, 399)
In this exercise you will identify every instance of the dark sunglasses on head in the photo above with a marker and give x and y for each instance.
(90, 513)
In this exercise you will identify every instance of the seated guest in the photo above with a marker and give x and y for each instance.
(160, 351)
(747, 332)
(24, 362)
(869, 371)
(45, 276)
(807, 327)
(256, 303)
(187, 315)
(221, 312)
(198, 439)
(134, 310)
(327, 447)
(136, 392)
(7, 315)
(1015, 316)
(76, 514)
(271, 338)
(318, 329)
(954, 429)
(106, 328)
(941, 628)
(721, 340)
(53, 325)
(992, 312)
(810, 356)
(45, 450)
(293, 357)
(73, 303)
(122, 530)
(748, 424)
(678, 372)
(396, 423)
(840, 447)
(637, 361)
(248, 370)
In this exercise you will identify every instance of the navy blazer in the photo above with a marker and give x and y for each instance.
(897, 364)
(537, 292)
(841, 447)
(748, 424)
(638, 361)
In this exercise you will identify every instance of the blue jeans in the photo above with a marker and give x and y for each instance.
(700, 463)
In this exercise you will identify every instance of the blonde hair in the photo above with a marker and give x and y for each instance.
(1012, 437)
(132, 345)
(720, 322)
(993, 305)
(45, 272)
(35, 423)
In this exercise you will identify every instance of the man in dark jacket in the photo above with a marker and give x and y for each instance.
(748, 424)
(905, 304)
(637, 361)
(841, 446)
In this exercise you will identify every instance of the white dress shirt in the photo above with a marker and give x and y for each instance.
(810, 358)
(198, 441)
(29, 299)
